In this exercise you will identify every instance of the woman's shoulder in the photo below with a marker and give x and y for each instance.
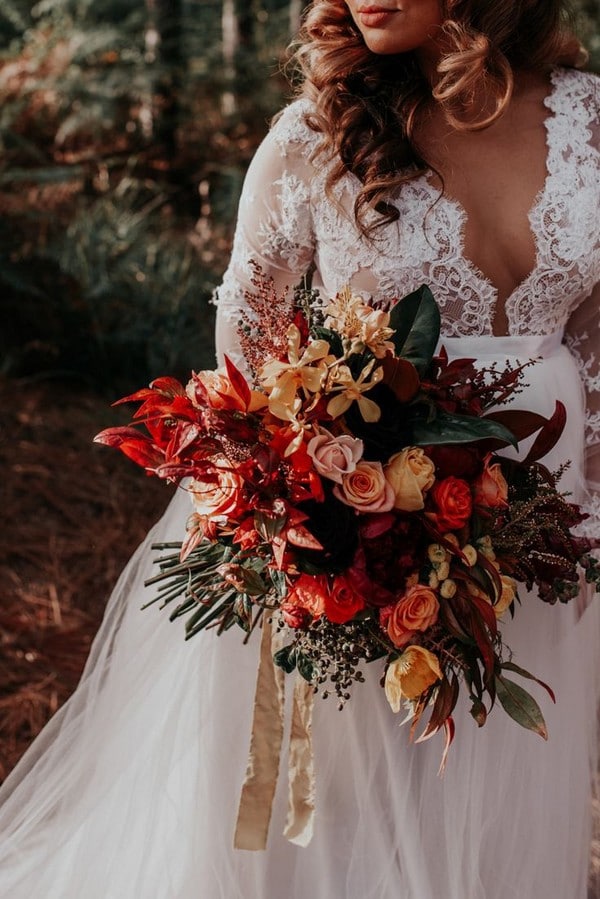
(577, 89)
(291, 130)
(575, 104)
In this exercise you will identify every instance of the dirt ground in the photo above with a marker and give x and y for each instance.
(72, 513)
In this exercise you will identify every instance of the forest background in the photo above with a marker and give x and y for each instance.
(126, 127)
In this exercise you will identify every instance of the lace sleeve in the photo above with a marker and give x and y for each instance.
(274, 227)
(583, 339)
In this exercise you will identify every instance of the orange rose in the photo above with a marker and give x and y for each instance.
(490, 488)
(343, 602)
(408, 677)
(415, 611)
(308, 594)
(219, 495)
(411, 474)
(453, 503)
(366, 488)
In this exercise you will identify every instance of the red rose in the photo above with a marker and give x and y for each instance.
(342, 602)
(452, 503)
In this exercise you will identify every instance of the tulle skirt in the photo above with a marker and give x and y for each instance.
(131, 791)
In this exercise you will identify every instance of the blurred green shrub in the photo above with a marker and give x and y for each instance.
(124, 138)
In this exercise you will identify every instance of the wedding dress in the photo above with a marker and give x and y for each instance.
(131, 792)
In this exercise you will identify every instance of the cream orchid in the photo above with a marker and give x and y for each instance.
(306, 372)
(351, 391)
(360, 326)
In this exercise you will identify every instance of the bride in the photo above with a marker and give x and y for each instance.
(438, 142)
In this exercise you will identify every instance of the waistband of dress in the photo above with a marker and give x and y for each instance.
(528, 346)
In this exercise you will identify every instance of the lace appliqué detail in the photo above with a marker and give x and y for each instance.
(278, 237)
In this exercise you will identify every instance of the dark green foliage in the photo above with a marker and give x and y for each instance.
(125, 136)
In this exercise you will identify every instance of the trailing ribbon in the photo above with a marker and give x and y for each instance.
(301, 768)
(258, 790)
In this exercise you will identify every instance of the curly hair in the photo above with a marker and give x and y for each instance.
(366, 105)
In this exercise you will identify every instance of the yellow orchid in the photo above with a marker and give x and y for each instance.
(351, 391)
(304, 371)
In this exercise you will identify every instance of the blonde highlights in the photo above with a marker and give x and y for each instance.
(367, 106)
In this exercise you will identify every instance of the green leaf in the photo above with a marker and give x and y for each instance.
(286, 658)
(253, 582)
(332, 338)
(447, 427)
(521, 706)
(306, 668)
(510, 666)
(242, 609)
(416, 323)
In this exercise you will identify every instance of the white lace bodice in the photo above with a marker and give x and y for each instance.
(288, 224)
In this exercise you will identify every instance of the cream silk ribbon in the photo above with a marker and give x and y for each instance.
(258, 791)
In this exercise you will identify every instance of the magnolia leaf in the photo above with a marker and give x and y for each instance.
(416, 323)
(521, 706)
(306, 668)
(510, 666)
(447, 427)
(331, 337)
(286, 658)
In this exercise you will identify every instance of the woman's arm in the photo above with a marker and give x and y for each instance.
(274, 228)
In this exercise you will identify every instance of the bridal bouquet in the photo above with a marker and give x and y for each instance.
(349, 489)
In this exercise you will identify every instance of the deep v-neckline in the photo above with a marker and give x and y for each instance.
(462, 216)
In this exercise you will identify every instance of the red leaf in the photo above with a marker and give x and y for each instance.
(134, 445)
(549, 434)
(520, 422)
(484, 644)
(170, 387)
(449, 728)
(301, 536)
(401, 377)
(240, 385)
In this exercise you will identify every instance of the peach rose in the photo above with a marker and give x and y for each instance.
(343, 602)
(453, 503)
(408, 677)
(334, 457)
(220, 495)
(366, 488)
(411, 474)
(490, 488)
(415, 611)
(220, 392)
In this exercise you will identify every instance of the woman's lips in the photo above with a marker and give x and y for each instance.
(375, 17)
